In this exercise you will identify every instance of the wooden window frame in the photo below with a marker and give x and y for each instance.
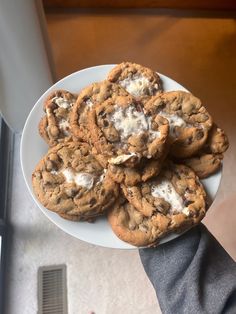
(127, 4)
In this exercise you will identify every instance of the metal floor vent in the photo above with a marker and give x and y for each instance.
(52, 293)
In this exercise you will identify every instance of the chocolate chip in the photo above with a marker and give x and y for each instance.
(71, 192)
(184, 171)
(177, 175)
(86, 98)
(105, 123)
(189, 141)
(93, 201)
(154, 126)
(187, 202)
(162, 209)
(153, 91)
(54, 105)
(103, 192)
(189, 191)
(58, 200)
(204, 117)
(130, 193)
(138, 108)
(199, 135)
(161, 106)
(102, 113)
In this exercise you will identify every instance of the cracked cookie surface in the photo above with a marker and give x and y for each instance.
(139, 81)
(54, 127)
(124, 134)
(87, 98)
(70, 182)
(188, 118)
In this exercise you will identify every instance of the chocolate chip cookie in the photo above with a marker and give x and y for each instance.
(139, 81)
(71, 182)
(54, 127)
(124, 134)
(89, 96)
(172, 202)
(208, 160)
(189, 121)
(176, 191)
(217, 141)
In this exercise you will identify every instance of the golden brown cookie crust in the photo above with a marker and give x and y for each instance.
(72, 217)
(70, 181)
(124, 134)
(54, 126)
(139, 81)
(91, 95)
(189, 121)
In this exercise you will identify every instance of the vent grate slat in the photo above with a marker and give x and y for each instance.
(52, 291)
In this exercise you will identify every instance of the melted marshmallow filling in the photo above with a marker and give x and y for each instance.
(64, 126)
(137, 85)
(166, 190)
(174, 120)
(89, 103)
(121, 158)
(129, 122)
(83, 179)
(62, 102)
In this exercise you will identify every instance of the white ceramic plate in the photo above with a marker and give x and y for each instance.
(33, 148)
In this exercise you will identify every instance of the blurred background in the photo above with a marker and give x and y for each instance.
(194, 43)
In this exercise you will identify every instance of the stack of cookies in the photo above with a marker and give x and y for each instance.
(126, 149)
